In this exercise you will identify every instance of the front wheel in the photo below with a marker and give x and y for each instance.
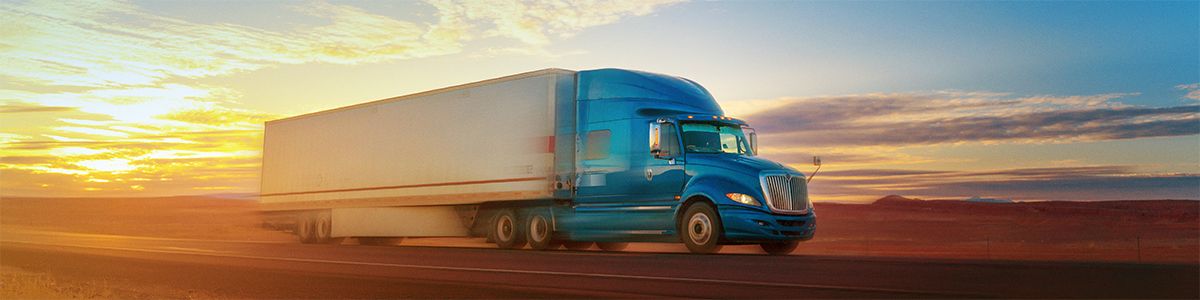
(700, 229)
(779, 248)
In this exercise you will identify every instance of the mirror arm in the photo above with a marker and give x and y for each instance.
(816, 162)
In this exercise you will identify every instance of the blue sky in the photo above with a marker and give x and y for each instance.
(837, 47)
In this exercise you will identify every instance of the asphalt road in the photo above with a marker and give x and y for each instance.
(290, 270)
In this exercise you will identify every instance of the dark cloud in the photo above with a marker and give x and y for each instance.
(1066, 183)
(901, 176)
(1061, 172)
(880, 173)
(1081, 188)
(923, 119)
(806, 158)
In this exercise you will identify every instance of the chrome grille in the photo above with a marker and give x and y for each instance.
(786, 194)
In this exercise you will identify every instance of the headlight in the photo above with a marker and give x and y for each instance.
(742, 198)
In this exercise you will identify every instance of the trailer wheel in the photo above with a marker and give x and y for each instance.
(304, 228)
(323, 228)
(577, 245)
(700, 228)
(612, 246)
(506, 231)
(779, 248)
(538, 230)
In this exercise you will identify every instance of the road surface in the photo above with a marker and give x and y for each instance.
(292, 270)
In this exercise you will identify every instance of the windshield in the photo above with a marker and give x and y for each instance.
(715, 138)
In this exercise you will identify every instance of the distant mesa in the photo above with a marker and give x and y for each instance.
(889, 199)
(988, 200)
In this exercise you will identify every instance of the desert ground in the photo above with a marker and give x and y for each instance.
(1151, 232)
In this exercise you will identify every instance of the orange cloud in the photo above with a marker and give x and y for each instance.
(103, 96)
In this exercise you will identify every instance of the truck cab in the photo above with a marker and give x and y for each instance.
(657, 160)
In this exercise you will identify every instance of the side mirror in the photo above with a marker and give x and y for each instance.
(754, 142)
(655, 138)
(752, 137)
(816, 162)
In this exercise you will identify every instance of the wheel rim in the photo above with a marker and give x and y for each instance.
(504, 228)
(699, 228)
(538, 230)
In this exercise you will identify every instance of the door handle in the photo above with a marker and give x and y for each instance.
(649, 174)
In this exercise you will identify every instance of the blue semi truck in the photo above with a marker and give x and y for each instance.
(548, 159)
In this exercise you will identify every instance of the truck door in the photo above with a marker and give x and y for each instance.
(659, 159)
(662, 165)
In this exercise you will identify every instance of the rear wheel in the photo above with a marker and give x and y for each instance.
(304, 228)
(612, 246)
(505, 231)
(538, 231)
(780, 248)
(700, 228)
(323, 228)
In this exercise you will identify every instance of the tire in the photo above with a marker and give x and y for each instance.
(538, 230)
(506, 230)
(612, 246)
(779, 248)
(700, 228)
(304, 228)
(323, 228)
(577, 245)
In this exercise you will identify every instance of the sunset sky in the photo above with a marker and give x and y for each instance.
(1021, 100)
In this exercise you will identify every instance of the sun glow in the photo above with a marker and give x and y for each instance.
(115, 165)
(96, 104)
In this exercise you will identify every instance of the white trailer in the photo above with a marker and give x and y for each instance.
(413, 165)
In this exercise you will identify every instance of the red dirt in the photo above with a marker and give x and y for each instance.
(1167, 230)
